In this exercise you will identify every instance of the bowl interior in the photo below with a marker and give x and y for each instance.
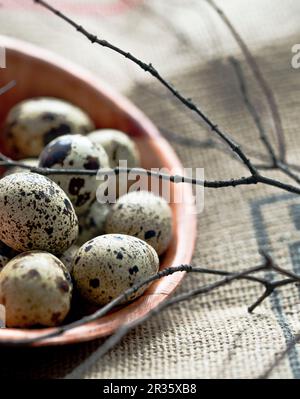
(39, 73)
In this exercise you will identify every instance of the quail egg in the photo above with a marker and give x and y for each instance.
(108, 265)
(33, 123)
(28, 161)
(75, 152)
(144, 215)
(118, 145)
(6, 254)
(36, 289)
(68, 256)
(35, 213)
(92, 224)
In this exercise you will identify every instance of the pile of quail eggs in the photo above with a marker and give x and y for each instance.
(56, 239)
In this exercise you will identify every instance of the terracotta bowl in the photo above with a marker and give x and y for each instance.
(39, 73)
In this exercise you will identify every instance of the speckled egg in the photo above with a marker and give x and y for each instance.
(75, 152)
(36, 289)
(28, 161)
(69, 255)
(6, 254)
(35, 213)
(118, 146)
(144, 215)
(92, 224)
(110, 264)
(32, 124)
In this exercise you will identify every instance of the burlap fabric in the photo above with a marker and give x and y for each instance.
(211, 336)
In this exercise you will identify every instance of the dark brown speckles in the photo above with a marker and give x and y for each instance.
(149, 234)
(133, 270)
(25, 213)
(142, 215)
(82, 199)
(77, 260)
(33, 274)
(87, 248)
(94, 283)
(62, 285)
(49, 230)
(68, 207)
(55, 153)
(108, 260)
(75, 185)
(92, 163)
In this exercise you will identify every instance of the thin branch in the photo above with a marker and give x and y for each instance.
(229, 277)
(287, 171)
(128, 293)
(211, 143)
(122, 331)
(255, 175)
(260, 79)
(254, 178)
(163, 176)
(272, 265)
(285, 167)
(275, 162)
(252, 110)
(270, 288)
(153, 71)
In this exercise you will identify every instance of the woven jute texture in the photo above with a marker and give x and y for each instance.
(211, 336)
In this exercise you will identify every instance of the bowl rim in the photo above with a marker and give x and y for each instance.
(186, 214)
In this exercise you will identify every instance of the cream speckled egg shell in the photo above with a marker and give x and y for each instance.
(35, 289)
(110, 264)
(144, 215)
(35, 213)
(118, 147)
(75, 152)
(33, 123)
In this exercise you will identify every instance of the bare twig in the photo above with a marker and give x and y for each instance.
(255, 177)
(127, 294)
(252, 110)
(154, 72)
(260, 79)
(229, 277)
(122, 331)
(275, 162)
